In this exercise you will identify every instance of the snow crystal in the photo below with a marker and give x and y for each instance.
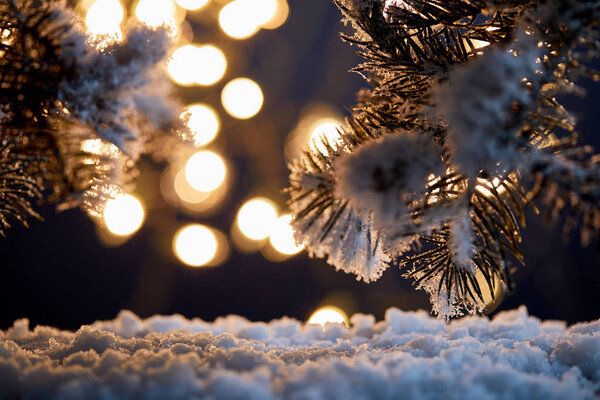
(409, 355)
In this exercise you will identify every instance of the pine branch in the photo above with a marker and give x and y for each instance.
(479, 80)
(79, 113)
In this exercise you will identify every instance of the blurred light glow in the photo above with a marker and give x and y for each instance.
(329, 314)
(325, 129)
(202, 65)
(310, 118)
(104, 17)
(186, 192)
(212, 66)
(282, 236)
(123, 215)
(182, 65)
(256, 218)
(205, 171)
(203, 123)
(177, 191)
(242, 98)
(156, 12)
(238, 19)
(264, 10)
(195, 245)
(280, 15)
(192, 5)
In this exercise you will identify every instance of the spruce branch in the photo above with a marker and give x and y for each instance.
(479, 81)
(80, 110)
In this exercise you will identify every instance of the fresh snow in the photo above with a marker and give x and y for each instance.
(409, 355)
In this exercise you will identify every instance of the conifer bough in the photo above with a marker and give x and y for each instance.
(461, 131)
(76, 111)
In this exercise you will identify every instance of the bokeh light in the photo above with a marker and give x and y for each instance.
(491, 301)
(123, 215)
(177, 191)
(256, 218)
(265, 10)
(205, 171)
(315, 119)
(202, 65)
(279, 16)
(329, 314)
(182, 65)
(212, 66)
(282, 237)
(242, 98)
(240, 19)
(156, 12)
(325, 129)
(186, 192)
(104, 17)
(195, 245)
(236, 19)
(203, 123)
(192, 5)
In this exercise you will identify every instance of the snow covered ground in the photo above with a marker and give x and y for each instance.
(407, 356)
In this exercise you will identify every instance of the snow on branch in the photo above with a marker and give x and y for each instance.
(460, 132)
(79, 110)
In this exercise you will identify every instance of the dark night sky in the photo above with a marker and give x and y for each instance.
(57, 272)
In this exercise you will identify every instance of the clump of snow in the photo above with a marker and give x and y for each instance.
(409, 355)
(385, 175)
(478, 102)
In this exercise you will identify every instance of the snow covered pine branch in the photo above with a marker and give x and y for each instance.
(461, 131)
(76, 112)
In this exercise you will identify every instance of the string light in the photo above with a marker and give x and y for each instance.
(205, 171)
(329, 314)
(203, 123)
(256, 218)
(242, 98)
(123, 215)
(195, 245)
(282, 237)
(104, 17)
